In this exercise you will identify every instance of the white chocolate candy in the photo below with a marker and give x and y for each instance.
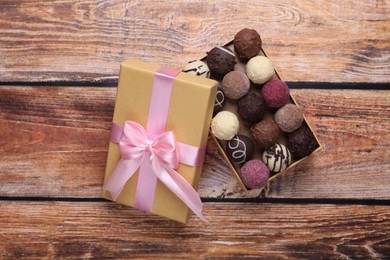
(277, 158)
(259, 69)
(197, 68)
(224, 125)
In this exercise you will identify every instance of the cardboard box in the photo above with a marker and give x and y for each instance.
(232, 107)
(190, 112)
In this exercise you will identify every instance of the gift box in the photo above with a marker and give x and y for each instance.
(158, 139)
(231, 106)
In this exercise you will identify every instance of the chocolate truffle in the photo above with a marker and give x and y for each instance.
(251, 108)
(224, 125)
(289, 117)
(197, 68)
(275, 93)
(301, 142)
(277, 158)
(265, 132)
(247, 43)
(259, 69)
(254, 174)
(235, 84)
(219, 101)
(240, 149)
(220, 60)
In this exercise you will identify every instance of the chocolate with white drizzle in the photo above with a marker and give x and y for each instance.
(198, 68)
(240, 149)
(277, 158)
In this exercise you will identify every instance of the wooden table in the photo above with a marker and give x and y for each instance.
(59, 65)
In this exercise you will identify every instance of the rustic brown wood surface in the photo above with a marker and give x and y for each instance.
(59, 64)
(236, 230)
(328, 41)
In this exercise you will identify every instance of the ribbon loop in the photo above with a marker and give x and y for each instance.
(134, 145)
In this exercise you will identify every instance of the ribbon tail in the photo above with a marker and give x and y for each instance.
(121, 174)
(183, 190)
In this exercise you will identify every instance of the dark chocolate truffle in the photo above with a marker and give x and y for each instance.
(265, 132)
(247, 43)
(289, 117)
(251, 108)
(219, 101)
(220, 60)
(240, 149)
(301, 142)
(275, 93)
(254, 174)
(235, 84)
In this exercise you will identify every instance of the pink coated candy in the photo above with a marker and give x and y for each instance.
(275, 93)
(254, 174)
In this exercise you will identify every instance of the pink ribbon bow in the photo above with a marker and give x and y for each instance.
(161, 154)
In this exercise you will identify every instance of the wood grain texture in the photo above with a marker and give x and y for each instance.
(54, 143)
(330, 41)
(265, 231)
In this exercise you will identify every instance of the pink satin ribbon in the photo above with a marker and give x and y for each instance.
(155, 152)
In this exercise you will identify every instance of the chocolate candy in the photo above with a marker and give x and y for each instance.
(289, 117)
(235, 84)
(220, 60)
(275, 93)
(251, 108)
(254, 174)
(247, 43)
(197, 68)
(259, 69)
(277, 158)
(240, 149)
(266, 133)
(224, 125)
(219, 101)
(301, 142)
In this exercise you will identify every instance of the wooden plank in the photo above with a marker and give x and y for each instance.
(54, 143)
(277, 231)
(67, 40)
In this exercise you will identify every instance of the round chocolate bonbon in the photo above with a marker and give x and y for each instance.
(265, 132)
(220, 61)
(301, 142)
(251, 108)
(240, 149)
(275, 93)
(259, 69)
(219, 101)
(235, 84)
(289, 117)
(197, 68)
(254, 174)
(224, 125)
(247, 43)
(277, 158)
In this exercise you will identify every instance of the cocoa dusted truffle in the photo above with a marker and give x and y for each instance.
(265, 132)
(289, 117)
(240, 149)
(301, 142)
(251, 108)
(235, 84)
(275, 93)
(254, 174)
(247, 43)
(219, 101)
(220, 61)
